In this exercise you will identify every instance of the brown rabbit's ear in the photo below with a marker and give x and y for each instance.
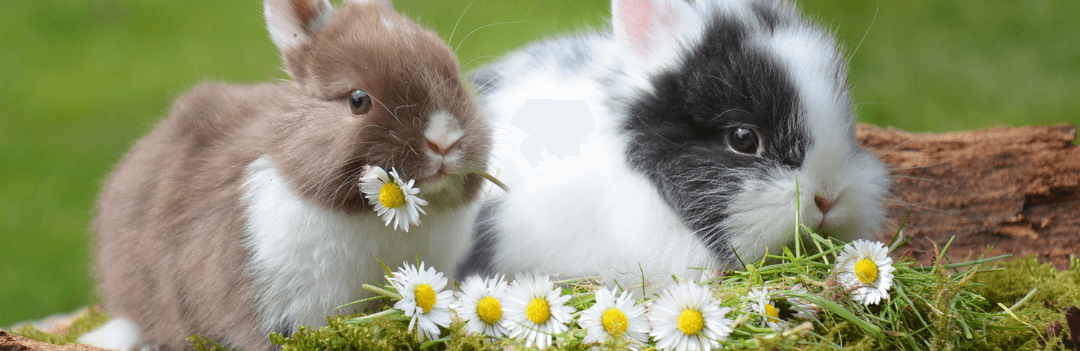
(388, 3)
(293, 22)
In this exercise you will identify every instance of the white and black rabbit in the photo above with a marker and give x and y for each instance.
(671, 142)
(241, 214)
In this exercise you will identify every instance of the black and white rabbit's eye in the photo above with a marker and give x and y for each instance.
(744, 140)
(359, 102)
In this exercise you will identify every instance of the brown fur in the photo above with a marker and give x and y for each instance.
(170, 220)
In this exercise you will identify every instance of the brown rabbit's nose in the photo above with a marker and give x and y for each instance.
(440, 147)
(823, 204)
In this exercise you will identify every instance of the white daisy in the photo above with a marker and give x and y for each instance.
(423, 299)
(615, 317)
(760, 303)
(392, 197)
(686, 317)
(480, 305)
(536, 310)
(865, 266)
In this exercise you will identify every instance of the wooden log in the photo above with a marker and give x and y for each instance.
(1015, 189)
(10, 342)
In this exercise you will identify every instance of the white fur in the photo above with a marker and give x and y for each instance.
(568, 215)
(812, 62)
(117, 334)
(306, 261)
(443, 130)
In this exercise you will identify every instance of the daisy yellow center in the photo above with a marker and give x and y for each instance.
(425, 297)
(391, 195)
(772, 313)
(538, 311)
(866, 270)
(489, 309)
(691, 322)
(614, 322)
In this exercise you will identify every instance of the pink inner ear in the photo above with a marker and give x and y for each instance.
(636, 16)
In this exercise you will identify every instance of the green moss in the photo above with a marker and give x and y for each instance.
(940, 307)
(382, 333)
(92, 319)
(962, 306)
(1052, 291)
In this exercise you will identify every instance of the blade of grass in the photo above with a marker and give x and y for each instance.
(431, 343)
(798, 220)
(493, 180)
(843, 313)
(361, 301)
(382, 291)
(963, 264)
(903, 295)
(963, 324)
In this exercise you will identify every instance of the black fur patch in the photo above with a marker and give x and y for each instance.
(478, 259)
(285, 328)
(678, 136)
(767, 14)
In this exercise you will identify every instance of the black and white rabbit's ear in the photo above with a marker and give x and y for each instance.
(651, 29)
(294, 22)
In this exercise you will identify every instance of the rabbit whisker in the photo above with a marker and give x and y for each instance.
(451, 39)
(482, 27)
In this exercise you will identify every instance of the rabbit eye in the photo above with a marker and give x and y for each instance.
(359, 102)
(744, 140)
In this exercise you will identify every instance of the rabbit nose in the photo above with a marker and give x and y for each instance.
(823, 204)
(441, 147)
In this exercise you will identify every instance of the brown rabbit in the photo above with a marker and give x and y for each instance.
(241, 214)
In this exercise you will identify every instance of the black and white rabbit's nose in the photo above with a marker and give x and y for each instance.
(824, 204)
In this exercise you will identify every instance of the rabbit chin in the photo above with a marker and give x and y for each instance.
(305, 261)
(445, 193)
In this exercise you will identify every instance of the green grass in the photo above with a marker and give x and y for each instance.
(82, 80)
(991, 303)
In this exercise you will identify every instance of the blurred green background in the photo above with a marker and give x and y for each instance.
(81, 80)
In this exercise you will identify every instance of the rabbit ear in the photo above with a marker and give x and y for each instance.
(293, 22)
(388, 3)
(652, 28)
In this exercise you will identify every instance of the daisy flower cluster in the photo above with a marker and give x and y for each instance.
(686, 315)
(533, 310)
(394, 199)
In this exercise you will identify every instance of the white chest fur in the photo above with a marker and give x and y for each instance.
(582, 212)
(305, 261)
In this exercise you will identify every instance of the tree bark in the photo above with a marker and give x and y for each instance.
(1016, 190)
(10, 342)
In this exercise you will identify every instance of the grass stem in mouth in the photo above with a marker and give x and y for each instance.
(382, 291)
(493, 180)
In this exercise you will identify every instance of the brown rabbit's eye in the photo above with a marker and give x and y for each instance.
(359, 102)
(744, 140)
